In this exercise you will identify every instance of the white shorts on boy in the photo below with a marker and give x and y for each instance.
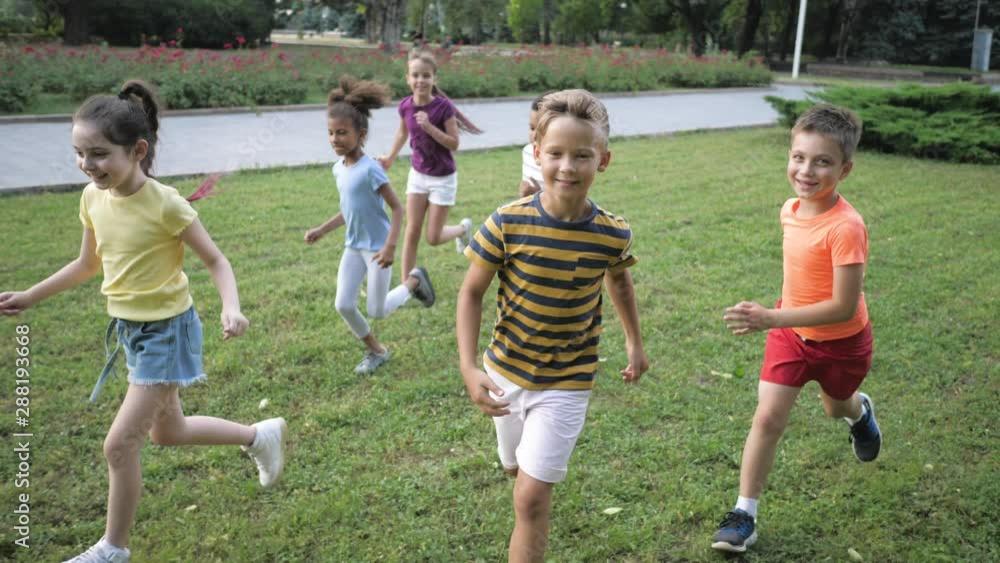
(539, 434)
(440, 190)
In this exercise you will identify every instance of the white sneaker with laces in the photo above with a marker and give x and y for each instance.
(268, 449)
(102, 552)
(465, 239)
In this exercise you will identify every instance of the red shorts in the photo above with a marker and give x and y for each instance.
(839, 366)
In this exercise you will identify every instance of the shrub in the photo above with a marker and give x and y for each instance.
(16, 92)
(958, 122)
(205, 23)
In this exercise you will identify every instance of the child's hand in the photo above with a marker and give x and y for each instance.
(13, 302)
(385, 161)
(313, 235)
(479, 386)
(638, 364)
(233, 324)
(385, 257)
(422, 120)
(746, 317)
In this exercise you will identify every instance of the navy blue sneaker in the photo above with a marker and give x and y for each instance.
(737, 532)
(865, 435)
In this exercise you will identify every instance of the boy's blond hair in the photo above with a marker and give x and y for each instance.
(840, 124)
(580, 104)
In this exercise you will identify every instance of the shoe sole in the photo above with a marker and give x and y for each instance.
(281, 463)
(423, 278)
(871, 410)
(726, 546)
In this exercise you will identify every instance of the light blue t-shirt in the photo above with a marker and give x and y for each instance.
(363, 208)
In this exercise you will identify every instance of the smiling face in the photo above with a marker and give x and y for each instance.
(345, 139)
(570, 154)
(815, 166)
(110, 166)
(420, 77)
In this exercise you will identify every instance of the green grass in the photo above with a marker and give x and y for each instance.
(400, 466)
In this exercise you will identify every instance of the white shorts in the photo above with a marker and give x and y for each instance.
(539, 434)
(440, 190)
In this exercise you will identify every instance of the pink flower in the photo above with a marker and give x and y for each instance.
(180, 30)
(227, 46)
(240, 39)
(172, 43)
(28, 49)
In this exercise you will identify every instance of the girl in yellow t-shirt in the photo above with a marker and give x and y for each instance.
(135, 229)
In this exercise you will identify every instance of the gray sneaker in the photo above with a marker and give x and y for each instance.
(268, 449)
(466, 238)
(372, 362)
(102, 552)
(424, 292)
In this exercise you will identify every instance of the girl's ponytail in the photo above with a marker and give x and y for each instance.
(151, 108)
(355, 99)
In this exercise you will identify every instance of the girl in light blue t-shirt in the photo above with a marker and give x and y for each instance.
(370, 240)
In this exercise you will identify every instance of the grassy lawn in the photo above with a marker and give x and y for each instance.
(400, 466)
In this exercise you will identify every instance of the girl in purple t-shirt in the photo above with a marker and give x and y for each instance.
(432, 123)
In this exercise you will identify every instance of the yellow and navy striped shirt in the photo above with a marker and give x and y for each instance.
(549, 303)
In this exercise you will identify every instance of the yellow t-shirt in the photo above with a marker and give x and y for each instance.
(138, 241)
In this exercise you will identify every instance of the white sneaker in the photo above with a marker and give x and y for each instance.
(102, 552)
(268, 449)
(466, 238)
(372, 362)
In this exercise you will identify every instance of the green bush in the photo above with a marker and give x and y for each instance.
(958, 122)
(16, 92)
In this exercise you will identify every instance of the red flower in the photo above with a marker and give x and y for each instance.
(28, 49)
(240, 39)
(180, 30)
(172, 43)
(227, 46)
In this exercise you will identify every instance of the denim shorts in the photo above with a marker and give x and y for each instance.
(166, 352)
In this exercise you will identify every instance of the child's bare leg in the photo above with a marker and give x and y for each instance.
(774, 404)
(851, 408)
(142, 407)
(437, 231)
(172, 428)
(416, 206)
(532, 509)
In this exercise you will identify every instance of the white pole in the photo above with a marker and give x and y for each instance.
(798, 39)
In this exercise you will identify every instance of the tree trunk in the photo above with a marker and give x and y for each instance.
(384, 21)
(76, 22)
(755, 9)
(548, 14)
(695, 22)
(847, 19)
(831, 25)
(786, 34)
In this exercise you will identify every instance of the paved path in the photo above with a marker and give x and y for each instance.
(40, 154)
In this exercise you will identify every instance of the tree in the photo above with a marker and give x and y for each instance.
(76, 18)
(701, 18)
(755, 8)
(384, 21)
(523, 17)
(847, 17)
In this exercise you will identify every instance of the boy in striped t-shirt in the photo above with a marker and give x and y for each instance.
(552, 252)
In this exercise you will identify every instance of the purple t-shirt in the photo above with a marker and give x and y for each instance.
(429, 156)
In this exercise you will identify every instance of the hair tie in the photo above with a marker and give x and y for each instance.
(123, 95)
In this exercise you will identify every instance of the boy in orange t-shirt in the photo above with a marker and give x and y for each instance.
(819, 330)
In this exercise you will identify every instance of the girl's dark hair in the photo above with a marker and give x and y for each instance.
(124, 119)
(355, 99)
(464, 123)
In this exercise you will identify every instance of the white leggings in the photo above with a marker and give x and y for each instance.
(354, 264)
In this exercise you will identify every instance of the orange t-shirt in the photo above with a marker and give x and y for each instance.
(812, 248)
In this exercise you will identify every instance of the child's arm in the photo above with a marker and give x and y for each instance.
(233, 321)
(447, 138)
(529, 187)
(622, 292)
(335, 222)
(467, 321)
(386, 160)
(746, 317)
(386, 256)
(71, 275)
